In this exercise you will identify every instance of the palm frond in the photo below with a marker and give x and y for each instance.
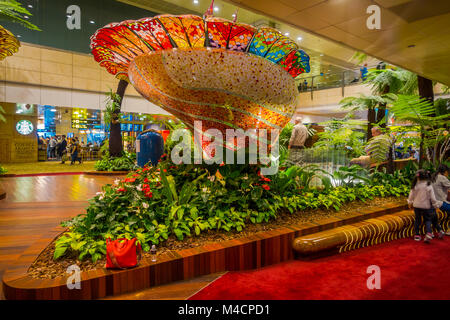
(396, 81)
(417, 110)
(12, 11)
(358, 57)
(378, 147)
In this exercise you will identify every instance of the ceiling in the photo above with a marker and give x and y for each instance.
(324, 54)
(414, 34)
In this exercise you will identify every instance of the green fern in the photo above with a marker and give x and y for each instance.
(378, 147)
(112, 107)
(12, 11)
(396, 81)
(417, 110)
(365, 102)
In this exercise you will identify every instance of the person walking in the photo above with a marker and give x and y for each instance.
(62, 148)
(423, 200)
(53, 147)
(75, 149)
(297, 141)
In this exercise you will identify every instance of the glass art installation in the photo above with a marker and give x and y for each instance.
(8, 43)
(228, 75)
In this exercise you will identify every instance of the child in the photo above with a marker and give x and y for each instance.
(422, 199)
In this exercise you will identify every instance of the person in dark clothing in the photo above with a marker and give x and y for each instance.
(75, 150)
(62, 148)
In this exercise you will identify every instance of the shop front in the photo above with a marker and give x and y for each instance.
(27, 134)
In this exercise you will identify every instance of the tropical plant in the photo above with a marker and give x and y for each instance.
(349, 176)
(397, 81)
(385, 85)
(342, 135)
(112, 107)
(370, 103)
(12, 11)
(433, 137)
(155, 203)
(285, 136)
(358, 57)
(3, 170)
(125, 163)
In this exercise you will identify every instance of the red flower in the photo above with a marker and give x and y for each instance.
(149, 194)
(164, 170)
(222, 164)
(130, 180)
(121, 190)
(145, 169)
(135, 175)
(265, 187)
(265, 179)
(146, 180)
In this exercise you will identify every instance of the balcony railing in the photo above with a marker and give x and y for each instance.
(331, 80)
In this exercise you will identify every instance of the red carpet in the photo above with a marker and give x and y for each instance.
(409, 270)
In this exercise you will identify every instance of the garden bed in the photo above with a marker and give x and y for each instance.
(46, 268)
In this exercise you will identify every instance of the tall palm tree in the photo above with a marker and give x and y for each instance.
(115, 134)
(367, 102)
(385, 84)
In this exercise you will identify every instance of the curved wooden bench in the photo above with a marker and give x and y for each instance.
(362, 234)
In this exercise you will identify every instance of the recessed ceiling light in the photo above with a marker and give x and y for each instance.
(321, 54)
(216, 9)
(30, 6)
(233, 15)
(195, 1)
(19, 36)
(92, 21)
(286, 34)
(299, 38)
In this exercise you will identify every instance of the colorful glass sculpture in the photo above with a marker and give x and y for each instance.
(8, 43)
(228, 75)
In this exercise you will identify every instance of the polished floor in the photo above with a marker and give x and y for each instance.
(36, 204)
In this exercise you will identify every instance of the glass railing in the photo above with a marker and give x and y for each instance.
(331, 80)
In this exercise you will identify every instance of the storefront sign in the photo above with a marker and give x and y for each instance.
(24, 127)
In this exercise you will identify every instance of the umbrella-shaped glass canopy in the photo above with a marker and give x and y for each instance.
(8, 43)
(228, 75)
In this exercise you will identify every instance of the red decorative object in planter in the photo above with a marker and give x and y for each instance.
(122, 253)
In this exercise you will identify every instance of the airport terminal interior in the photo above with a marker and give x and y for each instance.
(224, 150)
